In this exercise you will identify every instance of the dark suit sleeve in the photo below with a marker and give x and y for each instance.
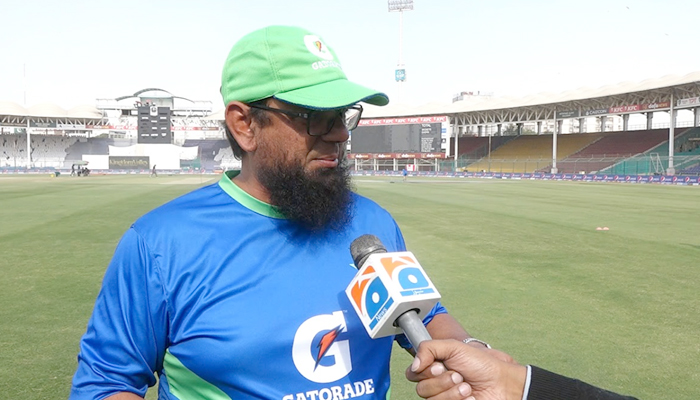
(545, 385)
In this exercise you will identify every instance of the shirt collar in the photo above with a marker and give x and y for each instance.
(226, 183)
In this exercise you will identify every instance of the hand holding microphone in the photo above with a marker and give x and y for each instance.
(392, 294)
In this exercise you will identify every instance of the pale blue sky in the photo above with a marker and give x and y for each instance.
(77, 51)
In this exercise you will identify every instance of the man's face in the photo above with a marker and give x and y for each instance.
(303, 174)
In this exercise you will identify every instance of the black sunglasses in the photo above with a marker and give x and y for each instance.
(319, 123)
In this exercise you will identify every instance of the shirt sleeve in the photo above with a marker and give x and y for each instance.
(545, 385)
(528, 380)
(126, 336)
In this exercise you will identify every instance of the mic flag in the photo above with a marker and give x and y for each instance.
(391, 292)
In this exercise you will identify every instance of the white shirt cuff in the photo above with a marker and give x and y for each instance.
(526, 389)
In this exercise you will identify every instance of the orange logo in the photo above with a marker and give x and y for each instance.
(360, 285)
(390, 264)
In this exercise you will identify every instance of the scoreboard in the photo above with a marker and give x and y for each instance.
(154, 124)
(398, 135)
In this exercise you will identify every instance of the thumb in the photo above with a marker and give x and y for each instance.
(421, 363)
(431, 350)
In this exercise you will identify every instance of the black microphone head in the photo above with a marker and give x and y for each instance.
(363, 247)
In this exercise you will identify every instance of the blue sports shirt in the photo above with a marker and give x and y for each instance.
(221, 297)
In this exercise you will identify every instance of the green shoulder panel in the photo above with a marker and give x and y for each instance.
(186, 385)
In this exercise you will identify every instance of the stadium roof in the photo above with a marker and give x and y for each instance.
(50, 111)
(488, 109)
(13, 114)
(649, 90)
(148, 92)
(180, 106)
(543, 105)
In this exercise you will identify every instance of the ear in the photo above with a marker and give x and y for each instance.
(239, 123)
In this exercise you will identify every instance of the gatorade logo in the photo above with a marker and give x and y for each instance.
(319, 353)
(317, 47)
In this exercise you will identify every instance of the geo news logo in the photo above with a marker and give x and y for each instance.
(401, 274)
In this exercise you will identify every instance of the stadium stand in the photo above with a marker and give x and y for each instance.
(694, 170)
(620, 144)
(631, 152)
(610, 149)
(688, 151)
(206, 154)
(50, 151)
(12, 150)
(475, 147)
(567, 145)
(649, 162)
(529, 153)
(47, 150)
(209, 152)
(689, 162)
(521, 154)
(85, 146)
(226, 159)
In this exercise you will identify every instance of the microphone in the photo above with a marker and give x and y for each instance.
(390, 293)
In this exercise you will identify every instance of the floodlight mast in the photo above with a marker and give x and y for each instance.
(29, 144)
(400, 6)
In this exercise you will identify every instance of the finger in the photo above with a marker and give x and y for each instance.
(448, 386)
(431, 350)
(422, 362)
(432, 370)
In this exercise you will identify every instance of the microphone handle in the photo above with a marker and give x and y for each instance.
(413, 327)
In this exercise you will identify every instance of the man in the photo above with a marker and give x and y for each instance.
(489, 378)
(236, 290)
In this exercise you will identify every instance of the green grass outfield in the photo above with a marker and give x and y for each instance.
(519, 263)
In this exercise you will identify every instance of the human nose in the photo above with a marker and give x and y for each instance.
(338, 133)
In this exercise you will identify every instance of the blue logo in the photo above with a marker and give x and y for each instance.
(414, 282)
(377, 301)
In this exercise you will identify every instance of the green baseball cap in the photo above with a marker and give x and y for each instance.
(293, 65)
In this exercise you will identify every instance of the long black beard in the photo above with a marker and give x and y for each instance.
(317, 200)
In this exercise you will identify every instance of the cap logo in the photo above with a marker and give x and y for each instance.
(317, 47)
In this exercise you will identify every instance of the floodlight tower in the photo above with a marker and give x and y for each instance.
(400, 73)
